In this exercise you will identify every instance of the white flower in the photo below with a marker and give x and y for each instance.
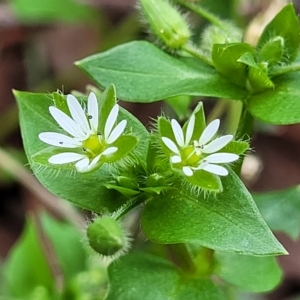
(199, 155)
(82, 133)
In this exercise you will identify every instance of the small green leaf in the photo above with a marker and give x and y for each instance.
(226, 61)
(281, 210)
(272, 52)
(249, 273)
(284, 27)
(227, 221)
(124, 191)
(135, 77)
(143, 276)
(280, 105)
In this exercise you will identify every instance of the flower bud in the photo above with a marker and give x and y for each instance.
(107, 237)
(166, 22)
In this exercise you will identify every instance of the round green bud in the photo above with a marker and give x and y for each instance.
(106, 236)
(166, 22)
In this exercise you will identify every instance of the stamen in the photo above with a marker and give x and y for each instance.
(89, 117)
(84, 149)
(61, 143)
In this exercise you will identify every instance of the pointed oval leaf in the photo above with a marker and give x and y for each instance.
(227, 221)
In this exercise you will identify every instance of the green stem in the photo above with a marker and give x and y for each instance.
(190, 49)
(182, 258)
(130, 204)
(197, 9)
(285, 69)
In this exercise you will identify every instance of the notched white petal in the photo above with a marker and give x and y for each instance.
(111, 120)
(170, 144)
(65, 158)
(58, 139)
(93, 112)
(221, 157)
(78, 113)
(217, 144)
(65, 122)
(187, 171)
(209, 132)
(178, 133)
(117, 132)
(190, 129)
(109, 151)
(215, 169)
(82, 163)
(175, 159)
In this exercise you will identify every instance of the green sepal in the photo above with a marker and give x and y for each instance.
(106, 236)
(180, 105)
(155, 190)
(272, 51)
(206, 181)
(125, 145)
(236, 147)
(285, 25)
(226, 61)
(165, 130)
(60, 102)
(124, 191)
(200, 123)
(258, 79)
(106, 102)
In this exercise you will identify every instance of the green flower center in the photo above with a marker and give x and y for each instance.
(190, 157)
(94, 145)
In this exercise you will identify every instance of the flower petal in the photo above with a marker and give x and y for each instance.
(215, 169)
(115, 134)
(187, 171)
(171, 145)
(58, 139)
(65, 122)
(175, 159)
(65, 158)
(109, 151)
(221, 158)
(93, 112)
(190, 129)
(82, 163)
(217, 144)
(78, 113)
(178, 133)
(209, 131)
(111, 120)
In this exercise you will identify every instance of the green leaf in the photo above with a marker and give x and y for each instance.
(89, 191)
(281, 210)
(144, 73)
(27, 268)
(27, 260)
(143, 276)
(280, 105)
(46, 11)
(227, 221)
(226, 61)
(285, 25)
(249, 273)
